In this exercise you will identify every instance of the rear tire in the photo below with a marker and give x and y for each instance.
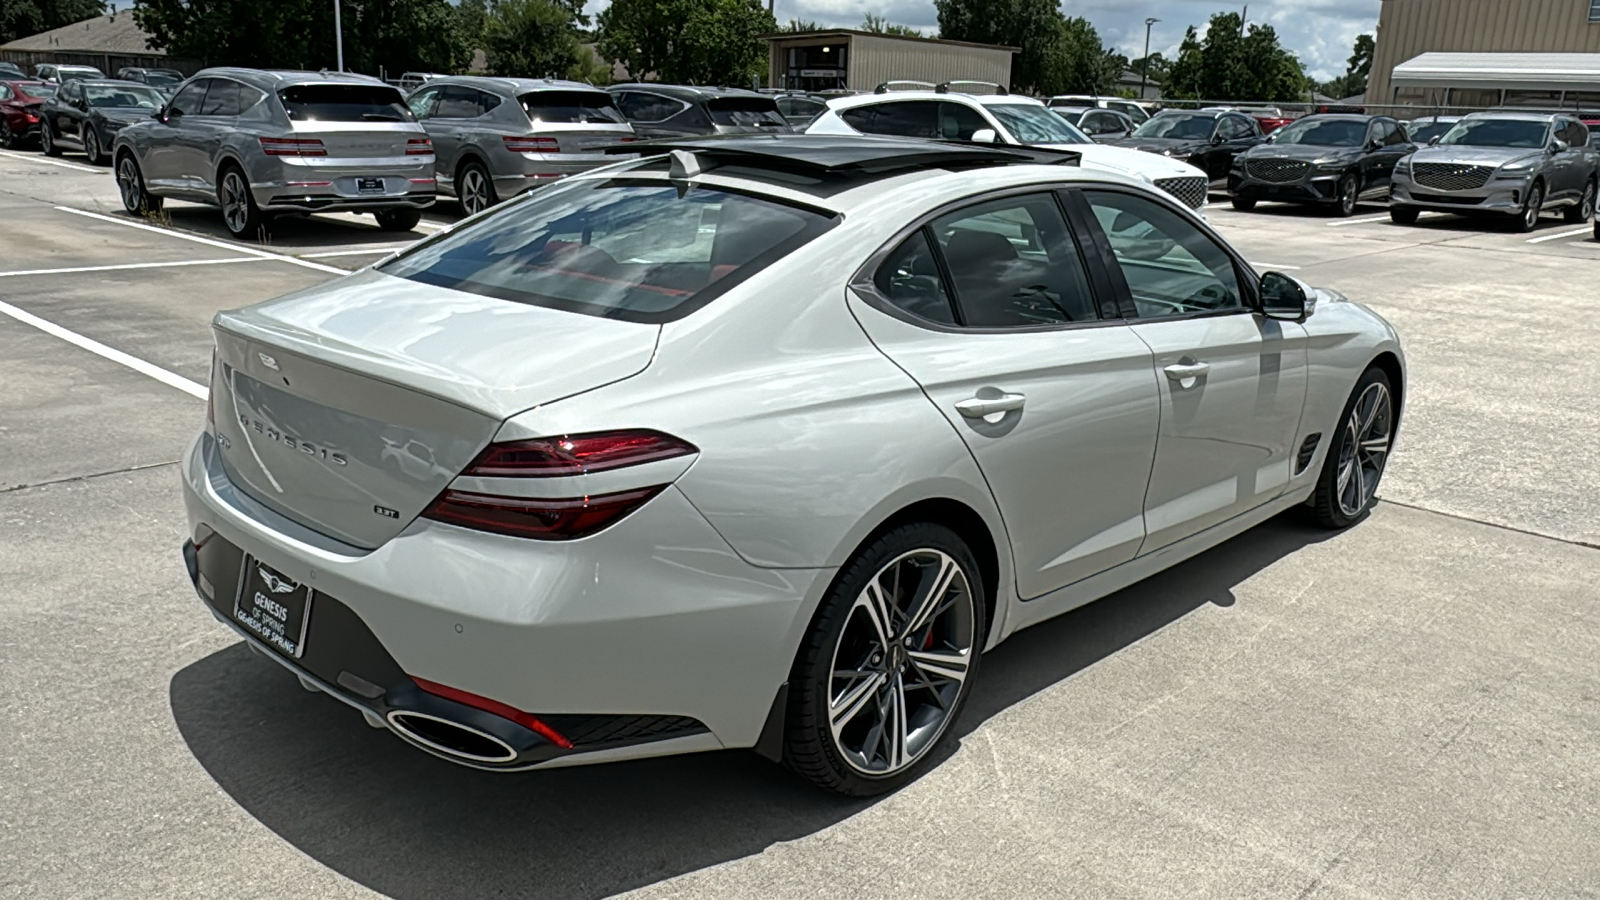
(1584, 211)
(1358, 453)
(241, 215)
(904, 621)
(130, 182)
(1528, 219)
(47, 140)
(474, 188)
(402, 219)
(1244, 204)
(1403, 215)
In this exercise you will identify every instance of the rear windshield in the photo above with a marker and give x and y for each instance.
(1497, 133)
(636, 251)
(344, 103)
(745, 111)
(576, 107)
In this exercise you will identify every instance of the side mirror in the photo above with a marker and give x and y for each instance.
(1374, 144)
(1283, 297)
(1559, 146)
(984, 136)
(1217, 138)
(1434, 141)
(1269, 139)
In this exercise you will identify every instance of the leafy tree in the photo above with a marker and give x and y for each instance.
(880, 25)
(687, 41)
(471, 15)
(530, 38)
(1230, 63)
(1059, 55)
(1159, 65)
(799, 25)
(1359, 68)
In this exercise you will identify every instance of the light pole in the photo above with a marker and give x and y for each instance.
(1144, 73)
(338, 35)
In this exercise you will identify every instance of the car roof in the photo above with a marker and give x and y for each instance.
(1342, 117)
(1513, 115)
(856, 100)
(511, 85)
(686, 92)
(272, 79)
(111, 82)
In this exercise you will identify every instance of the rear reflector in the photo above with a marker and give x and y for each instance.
(419, 147)
(536, 517)
(526, 720)
(292, 147)
(424, 180)
(531, 144)
(577, 454)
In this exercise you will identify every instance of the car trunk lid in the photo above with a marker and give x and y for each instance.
(355, 123)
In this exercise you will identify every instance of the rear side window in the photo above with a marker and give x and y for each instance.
(1014, 264)
(640, 252)
(641, 107)
(572, 107)
(906, 118)
(344, 103)
(745, 111)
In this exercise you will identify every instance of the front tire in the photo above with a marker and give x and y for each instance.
(47, 140)
(1584, 211)
(240, 213)
(398, 219)
(1244, 204)
(91, 148)
(1403, 215)
(1344, 204)
(130, 183)
(888, 664)
(1528, 219)
(1357, 454)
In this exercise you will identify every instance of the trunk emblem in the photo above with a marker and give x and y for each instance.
(278, 585)
(268, 361)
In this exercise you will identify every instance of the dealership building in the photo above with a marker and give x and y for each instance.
(836, 60)
(1479, 53)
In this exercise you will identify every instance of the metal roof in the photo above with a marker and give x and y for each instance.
(1499, 71)
(116, 33)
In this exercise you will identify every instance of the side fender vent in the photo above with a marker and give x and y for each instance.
(1308, 449)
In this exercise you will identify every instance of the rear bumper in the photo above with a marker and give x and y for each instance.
(518, 172)
(293, 185)
(676, 645)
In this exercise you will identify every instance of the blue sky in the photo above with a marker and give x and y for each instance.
(1320, 32)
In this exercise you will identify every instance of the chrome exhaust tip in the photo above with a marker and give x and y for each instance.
(449, 738)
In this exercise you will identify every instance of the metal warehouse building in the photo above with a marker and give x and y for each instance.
(1535, 51)
(860, 61)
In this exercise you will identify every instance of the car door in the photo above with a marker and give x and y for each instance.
(207, 132)
(1234, 135)
(1571, 161)
(1396, 146)
(1232, 381)
(176, 155)
(450, 129)
(991, 308)
(70, 108)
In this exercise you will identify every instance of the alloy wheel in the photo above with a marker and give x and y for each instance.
(7, 138)
(901, 661)
(1347, 196)
(128, 183)
(1586, 209)
(1367, 436)
(91, 148)
(235, 201)
(46, 142)
(474, 191)
(1530, 215)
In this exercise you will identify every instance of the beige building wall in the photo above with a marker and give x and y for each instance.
(1409, 28)
(874, 60)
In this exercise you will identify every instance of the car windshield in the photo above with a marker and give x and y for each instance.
(123, 97)
(640, 252)
(1031, 124)
(344, 103)
(161, 78)
(571, 107)
(1177, 127)
(1326, 133)
(762, 111)
(1497, 133)
(1422, 134)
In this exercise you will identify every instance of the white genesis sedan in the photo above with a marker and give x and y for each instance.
(760, 442)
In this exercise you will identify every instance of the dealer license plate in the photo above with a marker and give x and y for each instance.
(273, 608)
(369, 185)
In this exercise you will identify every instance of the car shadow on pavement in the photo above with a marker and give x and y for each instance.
(400, 822)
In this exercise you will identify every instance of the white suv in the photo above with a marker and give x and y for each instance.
(1008, 119)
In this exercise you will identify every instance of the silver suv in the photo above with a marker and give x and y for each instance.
(258, 143)
(1517, 164)
(496, 137)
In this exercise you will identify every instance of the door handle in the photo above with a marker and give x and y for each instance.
(1185, 371)
(978, 407)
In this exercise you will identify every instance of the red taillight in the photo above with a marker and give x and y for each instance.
(419, 147)
(292, 147)
(577, 454)
(537, 517)
(626, 140)
(526, 720)
(531, 144)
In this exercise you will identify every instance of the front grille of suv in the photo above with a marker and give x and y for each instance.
(1189, 190)
(1450, 176)
(1277, 171)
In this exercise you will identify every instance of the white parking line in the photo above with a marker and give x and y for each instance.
(149, 265)
(1383, 218)
(171, 379)
(52, 162)
(363, 251)
(184, 235)
(1559, 235)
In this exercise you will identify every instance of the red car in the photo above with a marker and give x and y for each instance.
(19, 111)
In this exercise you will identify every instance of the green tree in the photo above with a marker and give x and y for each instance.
(25, 18)
(880, 25)
(687, 41)
(1356, 73)
(1231, 63)
(1159, 65)
(1059, 55)
(799, 25)
(530, 38)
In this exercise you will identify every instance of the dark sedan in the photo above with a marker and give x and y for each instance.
(86, 115)
(1332, 160)
(20, 104)
(1206, 138)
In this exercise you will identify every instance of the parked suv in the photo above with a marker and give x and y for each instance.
(1516, 164)
(670, 110)
(164, 80)
(1128, 108)
(87, 114)
(1101, 125)
(496, 137)
(1207, 138)
(1332, 160)
(257, 143)
(59, 74)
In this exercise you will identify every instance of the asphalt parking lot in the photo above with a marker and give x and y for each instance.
(1408, 709)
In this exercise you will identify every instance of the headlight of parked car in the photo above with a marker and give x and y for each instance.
(1519, 168)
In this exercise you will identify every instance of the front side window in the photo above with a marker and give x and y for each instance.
(1178, 126)
(188, 101)
(223, 99)
(571, 107)
(1031, 124)
(640, 252)
(1529, 133)
(123, 97)
(1172, 267)
(1013, 264)
(1233, 128)
(344, 103)
(959, 122)
(422, 103)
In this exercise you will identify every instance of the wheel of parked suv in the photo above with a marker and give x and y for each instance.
(239, 210)
(91, 147)
(1349, 194)
(130, 182)
(1528, 219)
(1584, 211)
(398, 219)
(474, 188)
(1357, 453)
(1403, 215)
(888, 664)
(47, 139)
(1244, 204)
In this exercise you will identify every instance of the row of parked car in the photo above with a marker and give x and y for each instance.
(263, 143)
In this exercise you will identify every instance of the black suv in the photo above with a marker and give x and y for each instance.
(1337, 160)
(1207, 138)
(670, 110)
